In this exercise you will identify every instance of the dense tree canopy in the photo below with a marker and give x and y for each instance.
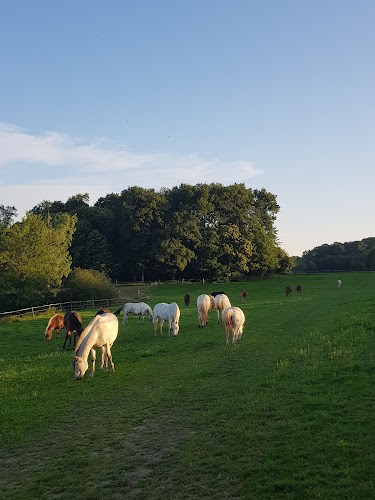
(205, 230)
(34, 257)
(349, 256)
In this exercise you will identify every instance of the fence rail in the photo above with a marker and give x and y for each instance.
(77, 305)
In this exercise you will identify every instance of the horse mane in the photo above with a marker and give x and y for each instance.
(84, 333)
(50, 321)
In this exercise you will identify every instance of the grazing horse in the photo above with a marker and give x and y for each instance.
(55, 323)
(101, 332)
(167, 312)
(139, 308)
(299, 288)
(102, 311)
(217, 293)
(338, 283)
(72, 323)
(204, 304)
(187, 300)
(288, 291)
(244, 295)
(234, 320)
(221, 304)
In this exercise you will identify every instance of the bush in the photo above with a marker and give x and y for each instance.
(87, 284)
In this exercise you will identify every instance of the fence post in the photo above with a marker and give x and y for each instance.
(32, 311)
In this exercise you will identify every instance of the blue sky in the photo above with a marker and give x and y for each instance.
(97, 96)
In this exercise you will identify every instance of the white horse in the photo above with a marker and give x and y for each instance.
(204, 304)
(234, 320)
(221, 304)
(101, 332)
(167, 312)
(338, 283)
(139, 308)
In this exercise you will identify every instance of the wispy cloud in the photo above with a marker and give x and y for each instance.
(59, 166)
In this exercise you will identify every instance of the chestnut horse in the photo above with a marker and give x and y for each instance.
(72, 323)
(244, 295)
(55, 323)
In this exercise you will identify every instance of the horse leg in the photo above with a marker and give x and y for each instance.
(104, 360)
(93, 359)
(66, 338)
(218, 316)
(109, 354)
(155, 325)
(57, 333)
(161, 326)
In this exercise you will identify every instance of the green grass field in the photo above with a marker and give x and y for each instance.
(288, 412)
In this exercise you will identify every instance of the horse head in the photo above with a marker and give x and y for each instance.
(80, 367)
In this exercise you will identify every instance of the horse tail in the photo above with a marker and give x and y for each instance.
(116, 313)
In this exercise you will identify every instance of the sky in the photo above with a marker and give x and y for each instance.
(100, 95)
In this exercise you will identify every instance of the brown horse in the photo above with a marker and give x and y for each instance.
(244, 295)
(55, 323)
(187, 300)
(288, 291)
(102, 311)
(72, 323)
(299, 288)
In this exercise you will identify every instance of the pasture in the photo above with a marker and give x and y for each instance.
(287, 412)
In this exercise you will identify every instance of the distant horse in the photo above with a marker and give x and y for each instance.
(299, 288)
(139, 308)
(222, 303)
(338, 283)
(217, 293)
(167, 312)
(187, 300)
(55, 323)
(288, 291)
(72, 323)
(234, 320)
(102, 311)
(204, 304)
(244, 295)
(101, 332)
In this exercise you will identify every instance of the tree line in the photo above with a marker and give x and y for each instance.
(349, 256)
(198, 231)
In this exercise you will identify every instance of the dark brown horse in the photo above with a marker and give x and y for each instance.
(244, 295)
(288, 291)
(187, 300)
(299, 288)
(72, 323)
(217, 293)
(55, 323)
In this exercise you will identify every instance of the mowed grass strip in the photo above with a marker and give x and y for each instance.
(288, 412)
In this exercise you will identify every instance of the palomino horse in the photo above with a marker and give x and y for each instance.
(203, 306)
(72, 323)
(234, 320)
(55, 323)
(139, 308)
(101, 332)
(167, 312)
(222, 303)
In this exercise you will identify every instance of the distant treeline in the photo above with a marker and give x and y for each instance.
(350, 256)
(192, 231)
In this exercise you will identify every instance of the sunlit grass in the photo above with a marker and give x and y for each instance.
(287, 412)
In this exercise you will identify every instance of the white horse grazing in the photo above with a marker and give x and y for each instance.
(234, 320)
(101, 332)
(167, 312)
(221, 304)
(338, 283)
(139, 308)
(204, 304)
